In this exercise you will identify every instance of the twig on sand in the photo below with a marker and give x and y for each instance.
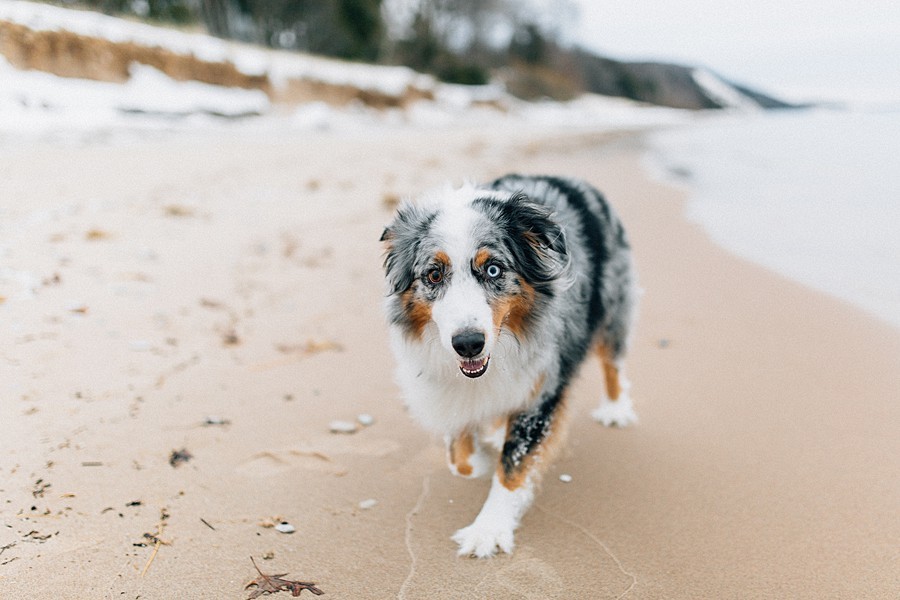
(152, 557)
(163, 515)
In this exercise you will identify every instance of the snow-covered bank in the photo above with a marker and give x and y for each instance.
(312, 92)
(33, 102)
(280, 68)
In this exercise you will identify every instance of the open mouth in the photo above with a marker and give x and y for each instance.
(474, 367)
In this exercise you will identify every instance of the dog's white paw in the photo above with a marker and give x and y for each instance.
(483, 540)
(619, 413)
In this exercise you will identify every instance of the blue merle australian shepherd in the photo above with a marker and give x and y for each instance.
(496, 294)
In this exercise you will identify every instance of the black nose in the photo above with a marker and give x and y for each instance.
(468, 343)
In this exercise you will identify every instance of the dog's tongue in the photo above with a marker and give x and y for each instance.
(474, 368)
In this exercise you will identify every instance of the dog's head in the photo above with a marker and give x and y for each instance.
(463, 265)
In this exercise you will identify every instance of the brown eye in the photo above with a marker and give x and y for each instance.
(434, 276)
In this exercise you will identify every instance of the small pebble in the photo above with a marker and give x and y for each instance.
(285, 527)
(367, 504)
(216, 421)
(565, 478)
(342, 427)
(365, 419)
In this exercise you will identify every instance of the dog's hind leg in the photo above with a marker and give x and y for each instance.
(615, 407)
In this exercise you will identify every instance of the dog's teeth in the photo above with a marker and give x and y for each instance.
(474, 368)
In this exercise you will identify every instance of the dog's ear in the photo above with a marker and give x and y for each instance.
(538, 241)
(538, 227)
(403, 237)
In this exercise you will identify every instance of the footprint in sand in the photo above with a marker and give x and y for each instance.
(275, 462)
(526, 577)
(320, 455)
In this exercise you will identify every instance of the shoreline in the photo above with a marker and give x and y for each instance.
(772, 188)
(238, 276)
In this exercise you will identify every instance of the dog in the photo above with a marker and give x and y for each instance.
(495, 296)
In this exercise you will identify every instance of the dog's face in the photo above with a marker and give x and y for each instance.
(465, 265)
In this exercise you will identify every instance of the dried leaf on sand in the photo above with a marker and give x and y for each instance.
(272, 584)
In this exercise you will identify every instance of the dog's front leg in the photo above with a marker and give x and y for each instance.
(466, 456)
(529, 435)
(497, 522)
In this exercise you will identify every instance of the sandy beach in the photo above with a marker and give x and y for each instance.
(219, 295)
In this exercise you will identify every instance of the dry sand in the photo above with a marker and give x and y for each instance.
(238, 276)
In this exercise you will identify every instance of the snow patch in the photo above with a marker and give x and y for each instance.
(723, 93)
(35, 101)
(42, 17)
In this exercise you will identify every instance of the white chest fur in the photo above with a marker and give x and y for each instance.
(443, 400)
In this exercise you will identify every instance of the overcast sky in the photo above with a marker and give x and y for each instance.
(802, 49)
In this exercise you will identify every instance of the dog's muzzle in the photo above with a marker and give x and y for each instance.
(469, 344)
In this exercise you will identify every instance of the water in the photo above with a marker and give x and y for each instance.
(813, 195)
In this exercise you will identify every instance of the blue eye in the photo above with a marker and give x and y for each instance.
(493, 271)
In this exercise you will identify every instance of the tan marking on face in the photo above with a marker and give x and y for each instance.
(461, 448)
(610, 373)
(546, 450)
(418, 312)
(442, 258)
(513, 311)
(481, 257)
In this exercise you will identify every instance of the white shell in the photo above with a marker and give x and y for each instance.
(342, 427)
(285, 527)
